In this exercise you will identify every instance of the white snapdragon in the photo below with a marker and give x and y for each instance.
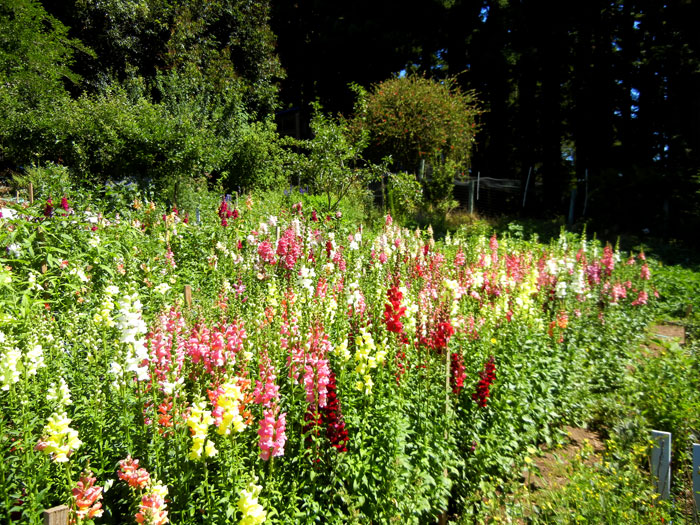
(79, 273)
(133, 329)
(34, 359)
(10, 364)
(103, 316)
(59, 393)
(560, 290)
(306, 279)
(33, 285)
(162, 288)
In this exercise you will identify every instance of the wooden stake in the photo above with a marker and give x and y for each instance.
(56, 515)
(188, 295)
(31, 193)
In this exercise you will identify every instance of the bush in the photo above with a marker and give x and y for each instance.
(420, 122)
(332, 163)
(122, 133)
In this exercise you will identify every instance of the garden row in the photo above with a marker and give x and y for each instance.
(321, 372)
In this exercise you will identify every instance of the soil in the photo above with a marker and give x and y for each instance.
(551, 469)
(664, 331)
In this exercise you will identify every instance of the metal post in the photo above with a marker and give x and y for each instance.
(478, 178)
(471, 197)
(572, 202)
(661, 462)
(527, 183)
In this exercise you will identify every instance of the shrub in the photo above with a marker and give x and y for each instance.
(418, 122)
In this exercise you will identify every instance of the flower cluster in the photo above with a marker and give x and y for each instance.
(486, 378)
(129, 471)
(457, 373)
(226, 213)
(253, 513)
(152, 505)
(10, 363)
(199, 421)
(103, 316)
(364, 346)
(60, 393)
(333, 418)
(132, 329)
(272, 434)
(289, 248)
(228, 403)
(394, 311)
(87, 497)
(59, 440)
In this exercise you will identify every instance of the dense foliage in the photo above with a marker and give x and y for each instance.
(172, 94)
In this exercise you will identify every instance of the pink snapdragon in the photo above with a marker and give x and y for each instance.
(289, 248)
(641, 299)
(217, 347)
(266, 252)
(645, 274)
(152, 510)
(266, 390)
(272, 434)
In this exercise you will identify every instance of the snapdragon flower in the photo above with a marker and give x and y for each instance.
(253, 512)
(10, 363)
(199, 421)
(59, 440)
(60, 393)
(87, 497)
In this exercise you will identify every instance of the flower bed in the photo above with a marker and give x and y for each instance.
(321, 373)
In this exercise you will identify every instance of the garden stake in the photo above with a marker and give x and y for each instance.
(188, 295)
(661, 462)
(56, 515)
(31, 193)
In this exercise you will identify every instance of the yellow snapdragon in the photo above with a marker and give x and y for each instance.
(59, 440)
(253, 512)
(367, 356)
(199, 421)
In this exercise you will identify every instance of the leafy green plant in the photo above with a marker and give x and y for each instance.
(418, 121)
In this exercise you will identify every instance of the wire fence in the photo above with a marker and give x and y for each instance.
(489, 195)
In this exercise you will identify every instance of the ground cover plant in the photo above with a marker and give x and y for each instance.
(323, 371)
